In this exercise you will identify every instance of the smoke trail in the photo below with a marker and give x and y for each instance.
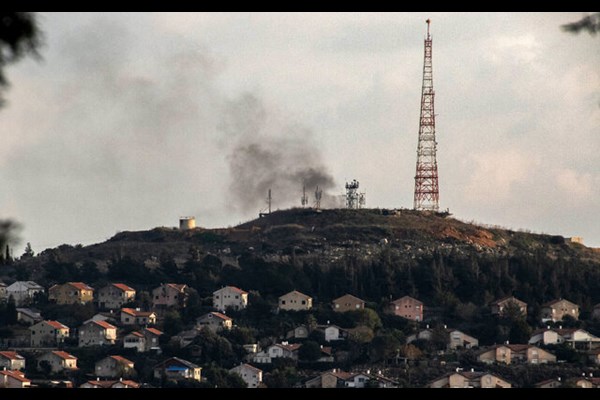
(268, 154)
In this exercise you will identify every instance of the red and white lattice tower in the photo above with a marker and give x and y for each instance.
(426, 179)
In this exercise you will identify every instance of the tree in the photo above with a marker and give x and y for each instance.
(28, 251)
(309, 351)
(19, 37)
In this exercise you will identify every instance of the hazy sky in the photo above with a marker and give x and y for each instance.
(132, 120)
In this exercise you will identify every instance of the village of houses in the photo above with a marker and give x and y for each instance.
(48, 344)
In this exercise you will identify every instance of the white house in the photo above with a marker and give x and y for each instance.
(23, 292)
(11, 360)
(230, 296)
(249, 374)
(334, 332)
(283, 350)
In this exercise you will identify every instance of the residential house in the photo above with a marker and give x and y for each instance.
(177, 369)
(549, 384)
(472, 379)
(11, 360)
(407, 307)
(348, 303)
(299, 332)
(366, 379)
(170, 295)
(28, 316)
(326, 355)
(556, 310)
(576, 338)
(277, 350)
(152, 336)
(500, 306)
(135, 340)
(13, 380)
(516, 353)
(97, 333)
(459, 339)
(329, 379)
(23, 292)
(145, 340)
(333, 332)
(120, 384)
(455, 338)
(214, 321)
(114, 367)
(48, 334)
(113, 296)
(58, 361)
(596, 311)
(131, 316)
(230, 296)
(249, 374)
(588, 382)
(341, 379)
(295, 301)
(71, 293)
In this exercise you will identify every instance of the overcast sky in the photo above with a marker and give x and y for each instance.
(132, 120)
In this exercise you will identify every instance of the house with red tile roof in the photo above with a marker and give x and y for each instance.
(71, 293)
(114, 295)
(48, 334)
(170, 295)
(13, 380)
(114, 367)
(230, 297)
(214, 321)
(134, 316)
(145, 340)
(97, 333)
(516, 353)
(58, 361)
(11, 360)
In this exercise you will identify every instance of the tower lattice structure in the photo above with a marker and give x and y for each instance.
(426, 179)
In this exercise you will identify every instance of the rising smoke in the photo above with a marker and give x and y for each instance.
(267, 153)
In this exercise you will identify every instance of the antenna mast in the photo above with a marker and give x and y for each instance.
(304, 198)
(318, 196)
(426, 178)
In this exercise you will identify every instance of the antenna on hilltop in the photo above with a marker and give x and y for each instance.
(318, 196)
(426, 178)
(304, 198)
(269, 200)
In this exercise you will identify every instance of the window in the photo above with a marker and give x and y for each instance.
(303, 302)
(282, 302)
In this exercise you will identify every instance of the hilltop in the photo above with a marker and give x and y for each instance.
(304, 231)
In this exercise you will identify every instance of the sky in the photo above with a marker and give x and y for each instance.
(131, 120)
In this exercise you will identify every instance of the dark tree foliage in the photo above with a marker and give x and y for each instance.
(19, 37)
